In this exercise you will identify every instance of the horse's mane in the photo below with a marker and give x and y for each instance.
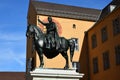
(38, 29)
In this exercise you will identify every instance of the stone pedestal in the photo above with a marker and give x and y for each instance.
(54, 74)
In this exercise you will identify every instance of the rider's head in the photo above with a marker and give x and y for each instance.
(49, 18)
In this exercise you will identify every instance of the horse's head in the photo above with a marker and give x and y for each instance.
(30, 31)
(34, 31)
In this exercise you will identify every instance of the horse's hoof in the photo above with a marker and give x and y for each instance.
(41, 66)
(66, 67)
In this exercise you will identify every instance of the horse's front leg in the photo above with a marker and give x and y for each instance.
(41, 58)
(64, 54)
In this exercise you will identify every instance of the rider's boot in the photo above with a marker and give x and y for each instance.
(53, 42)
(53, 45)
(48, 45)
(57, 45)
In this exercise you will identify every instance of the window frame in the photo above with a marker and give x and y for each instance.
(117, 54)
(94, 41)
(116, 26)
(106, 60)
(104, 34)
(95, 65)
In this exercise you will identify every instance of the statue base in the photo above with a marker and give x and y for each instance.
(54, 74)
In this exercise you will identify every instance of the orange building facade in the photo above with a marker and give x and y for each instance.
(98, 42)
(71, 22)
(100, 54)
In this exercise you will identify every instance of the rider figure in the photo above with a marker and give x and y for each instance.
(51, 33)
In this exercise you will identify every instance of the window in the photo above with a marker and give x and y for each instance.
(117, 53)
(74, 26)
(104, 34)
(95, 65)
(112, 7)
(94, 41)
(116, 26)
(106, 62)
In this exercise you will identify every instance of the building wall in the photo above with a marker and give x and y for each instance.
(84, 59)
(65, 26)
(31, 19)
(109, 45)
(12, 75)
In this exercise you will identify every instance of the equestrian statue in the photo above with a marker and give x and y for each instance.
(49, 43)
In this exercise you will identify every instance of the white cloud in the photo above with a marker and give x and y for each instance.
(8, 55)
(12, 52)
(11, 36)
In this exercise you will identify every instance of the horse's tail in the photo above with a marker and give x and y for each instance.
(72, 48)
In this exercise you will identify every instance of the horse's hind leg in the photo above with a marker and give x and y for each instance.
(64, 54)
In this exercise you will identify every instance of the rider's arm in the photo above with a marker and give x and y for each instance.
(41, 22)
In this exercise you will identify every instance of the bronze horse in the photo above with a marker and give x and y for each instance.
(39, 42)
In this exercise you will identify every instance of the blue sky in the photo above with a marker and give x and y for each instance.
(13, 21)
